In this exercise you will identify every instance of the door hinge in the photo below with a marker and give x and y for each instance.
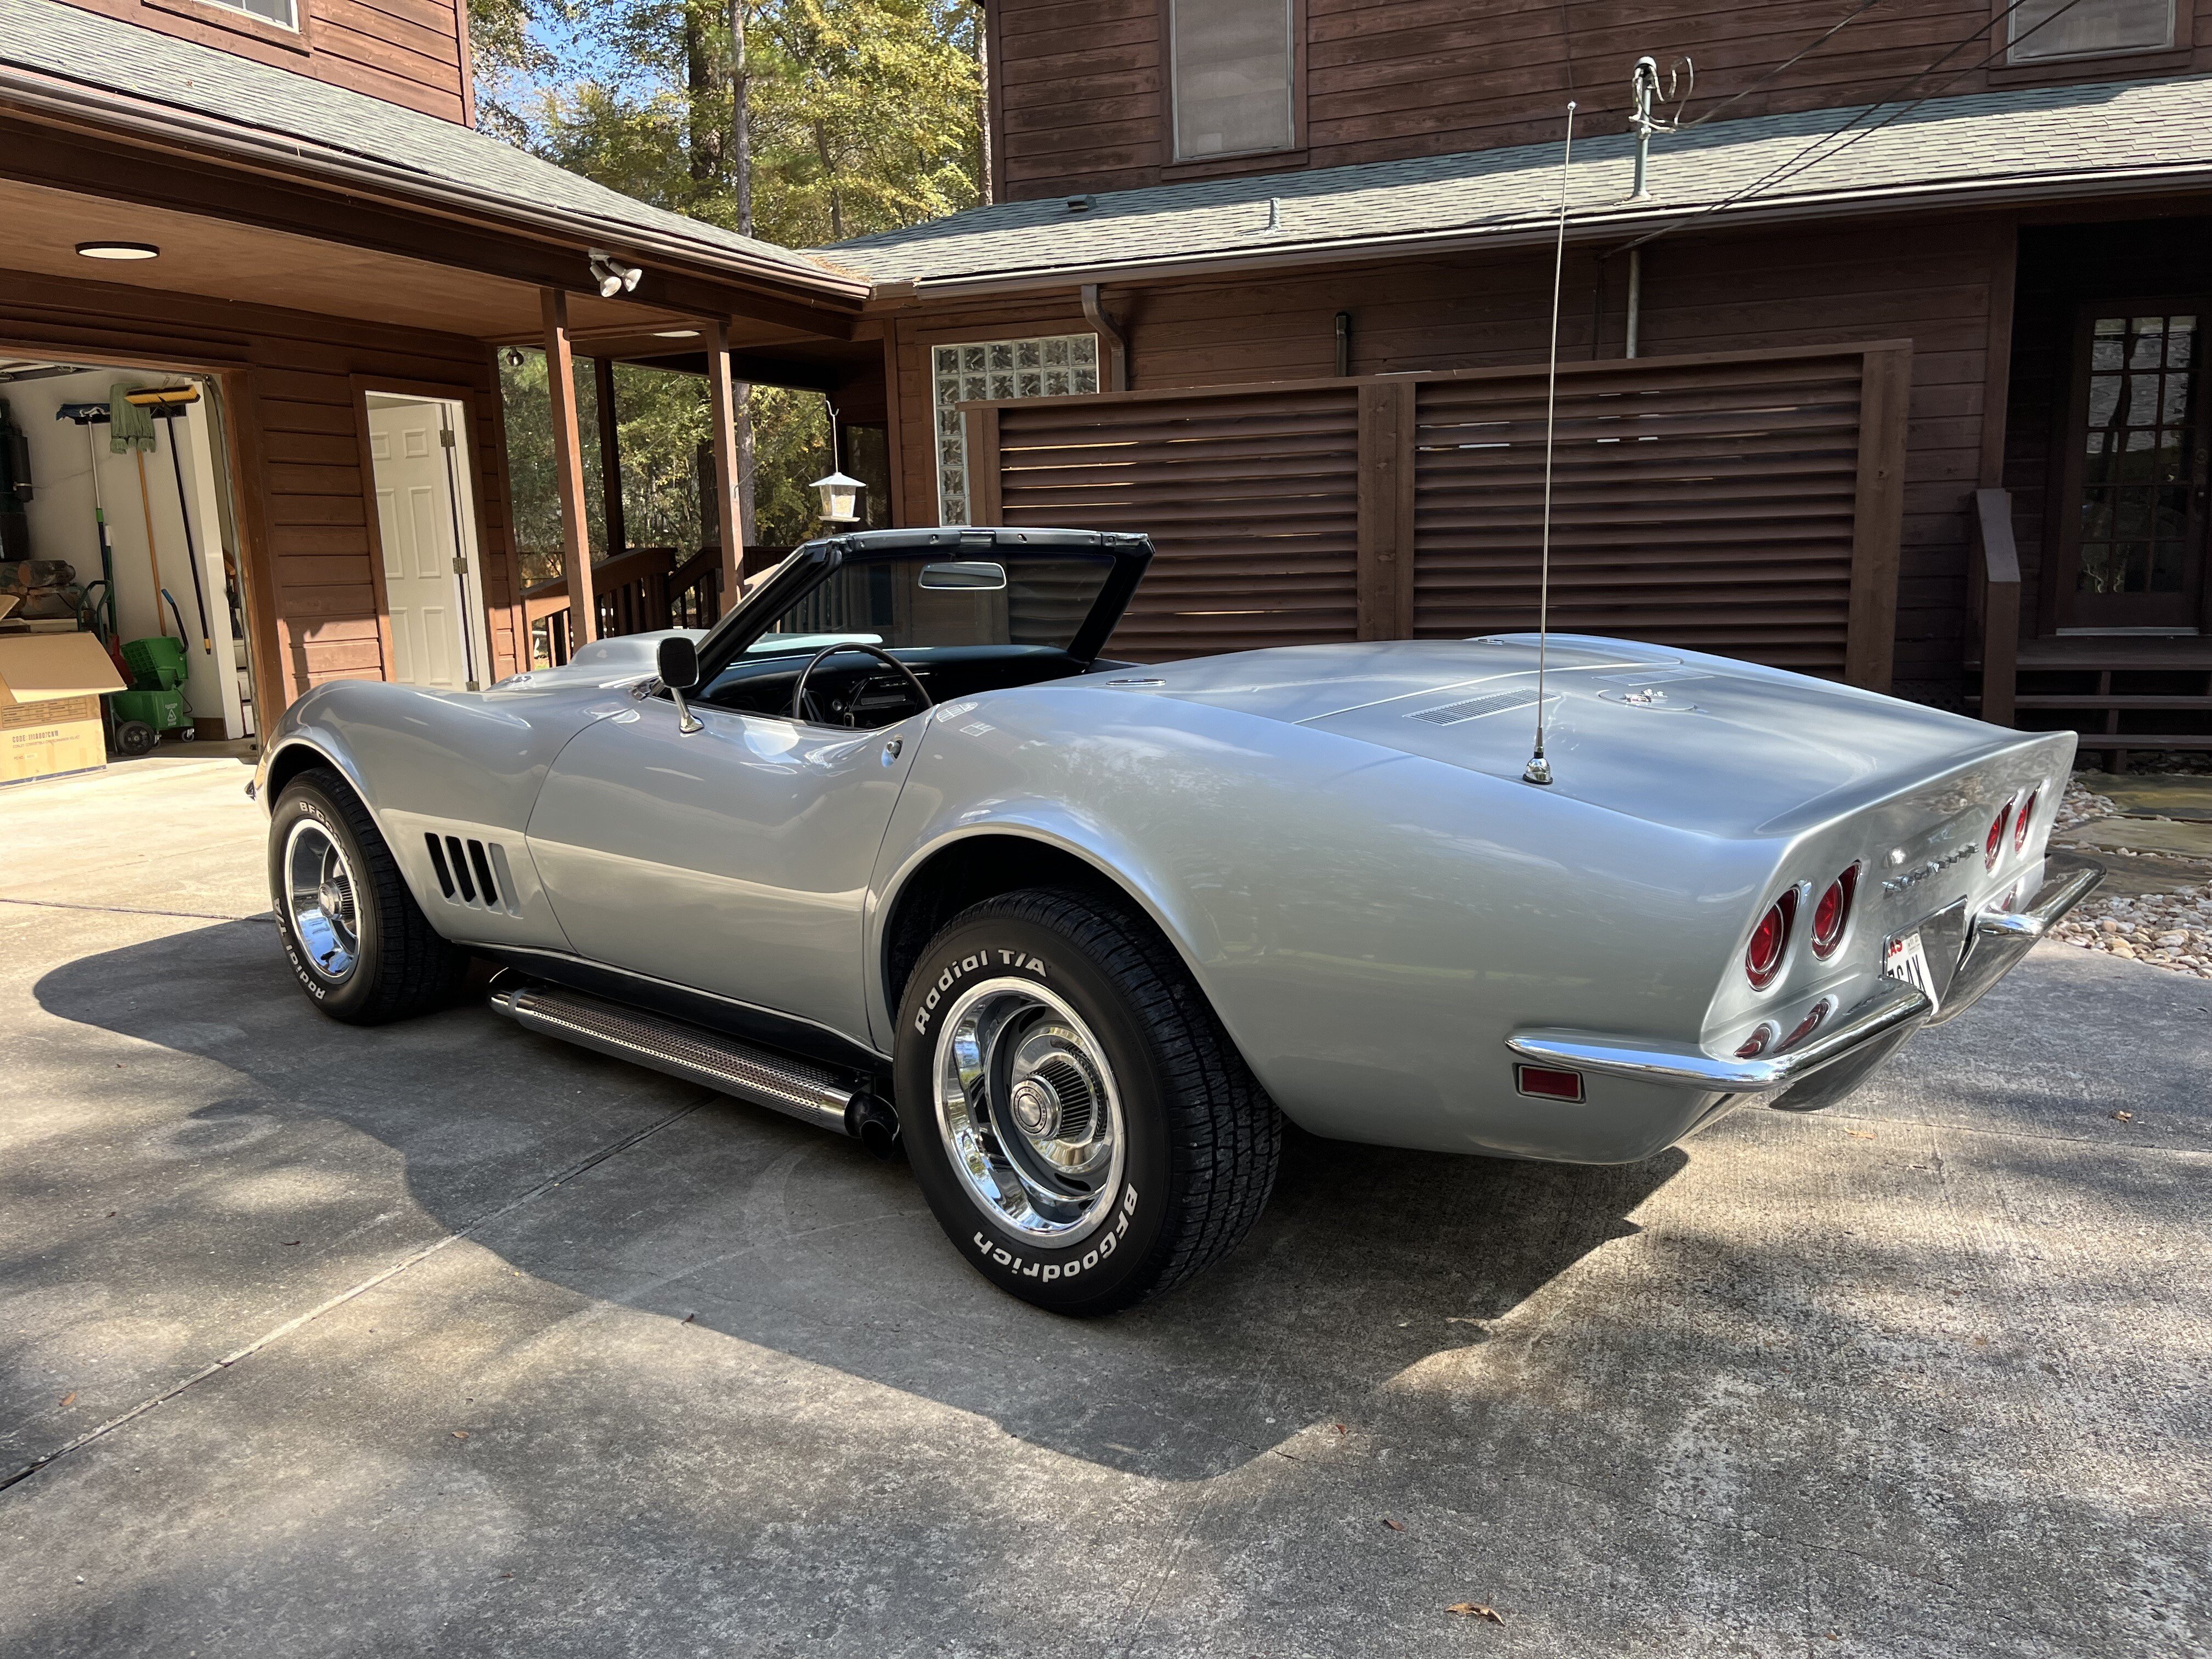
(473, 686)
(460, 567)
(446, 437)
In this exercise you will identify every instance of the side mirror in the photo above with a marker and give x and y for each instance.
(677, 664)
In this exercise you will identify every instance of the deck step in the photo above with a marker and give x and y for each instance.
(813, 1094)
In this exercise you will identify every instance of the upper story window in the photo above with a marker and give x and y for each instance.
(2043, 30)
(1232, 66)
(285, 13)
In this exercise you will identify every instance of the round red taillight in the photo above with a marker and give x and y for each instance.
(1762, 957)
(1832, 912)
(2020, 825)
(1993, 844)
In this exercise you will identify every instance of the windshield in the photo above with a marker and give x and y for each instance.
(922, 602)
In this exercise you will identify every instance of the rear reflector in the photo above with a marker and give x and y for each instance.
(2020, 825)
(1993, 846)
(1806, 1026)
(1548, 1082)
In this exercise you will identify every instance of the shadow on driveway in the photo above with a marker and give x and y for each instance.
(1366, 1262)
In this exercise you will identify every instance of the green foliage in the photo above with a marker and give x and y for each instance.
(859, 115)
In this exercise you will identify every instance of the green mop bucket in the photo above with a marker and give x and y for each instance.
(157, 664)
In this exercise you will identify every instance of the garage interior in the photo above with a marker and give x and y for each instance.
(131, 537)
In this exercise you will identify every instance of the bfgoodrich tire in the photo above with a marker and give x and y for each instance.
(1078, 1121)
(358, 943)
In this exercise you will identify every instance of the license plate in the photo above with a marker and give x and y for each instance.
(1906, 959)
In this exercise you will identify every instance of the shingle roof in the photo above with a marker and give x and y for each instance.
(88, 50)
(2021, 142)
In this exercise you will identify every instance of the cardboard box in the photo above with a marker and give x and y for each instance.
(49, 690)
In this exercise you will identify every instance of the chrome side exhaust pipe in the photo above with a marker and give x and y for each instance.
(813, 1094)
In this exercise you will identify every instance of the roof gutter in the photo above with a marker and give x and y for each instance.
(143, 120)
(1604, 226)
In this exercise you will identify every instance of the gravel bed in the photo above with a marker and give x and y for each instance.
(2167, 930)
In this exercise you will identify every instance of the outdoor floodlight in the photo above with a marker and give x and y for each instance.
(612, 276)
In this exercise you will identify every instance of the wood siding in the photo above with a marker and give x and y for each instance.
(1932, 282)
(410, 53)
(1744, 503)
(303, 498)
(1080, 88)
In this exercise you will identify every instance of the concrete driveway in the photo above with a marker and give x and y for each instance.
(445, 1338)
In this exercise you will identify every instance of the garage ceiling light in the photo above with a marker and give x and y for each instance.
(675, 334)
(119, 250)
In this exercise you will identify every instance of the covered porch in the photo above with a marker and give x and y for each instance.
(340, 276)
(2089, 589)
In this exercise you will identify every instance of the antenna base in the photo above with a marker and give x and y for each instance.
(1537, 770)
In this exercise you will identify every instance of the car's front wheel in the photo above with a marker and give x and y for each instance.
(359, 945)
(1079, 1122)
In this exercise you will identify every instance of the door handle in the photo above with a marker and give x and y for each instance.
(892, 749)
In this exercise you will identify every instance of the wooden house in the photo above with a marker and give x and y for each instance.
(1890, 371)
(284, 204)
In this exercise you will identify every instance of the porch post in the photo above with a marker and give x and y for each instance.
(727, 526)
(568, 469)
(602, 384)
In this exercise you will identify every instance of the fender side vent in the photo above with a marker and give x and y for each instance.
(438, 863)
(1473, 708)
(475, 873)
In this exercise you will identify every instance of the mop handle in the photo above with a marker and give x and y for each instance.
(191, 552)
(153, 553)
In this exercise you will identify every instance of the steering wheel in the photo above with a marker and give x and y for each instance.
(797, 710)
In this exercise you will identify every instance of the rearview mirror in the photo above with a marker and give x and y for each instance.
(976, 576)
(677, 662)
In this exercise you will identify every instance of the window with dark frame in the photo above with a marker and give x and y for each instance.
(2046, 31)
(2137, 471)
(1232, 64)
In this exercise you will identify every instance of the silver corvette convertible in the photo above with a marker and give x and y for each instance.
(896, 849)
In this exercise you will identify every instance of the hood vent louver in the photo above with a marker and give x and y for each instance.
(1473, 708)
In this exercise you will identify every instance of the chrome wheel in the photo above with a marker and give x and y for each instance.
(1027, 1106)
(319, 897)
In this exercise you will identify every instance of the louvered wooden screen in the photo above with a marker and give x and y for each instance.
(1250, 499)
(1713, 507)
(1746, 503)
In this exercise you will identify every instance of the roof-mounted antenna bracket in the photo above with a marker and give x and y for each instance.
(1645, 89)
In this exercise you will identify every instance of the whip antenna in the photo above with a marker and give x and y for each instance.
(1539, 770)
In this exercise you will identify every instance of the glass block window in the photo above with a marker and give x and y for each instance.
(2044, 29)
(2137, 473)
(1056, 365)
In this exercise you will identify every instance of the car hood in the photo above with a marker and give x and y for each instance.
(1697, 742)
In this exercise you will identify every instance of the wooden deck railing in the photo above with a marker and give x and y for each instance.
(1993, 603)
(639, 591)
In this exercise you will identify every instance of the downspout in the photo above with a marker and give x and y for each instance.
(1117, 347)
(1635, 297)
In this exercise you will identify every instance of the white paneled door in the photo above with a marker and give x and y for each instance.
(430, 589)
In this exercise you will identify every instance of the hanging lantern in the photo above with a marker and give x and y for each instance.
(840, 498)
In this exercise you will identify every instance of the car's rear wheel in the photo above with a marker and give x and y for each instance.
(359, 945)
(1081, 1125)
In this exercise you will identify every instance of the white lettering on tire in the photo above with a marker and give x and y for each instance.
(967, 965)
(1046, 1272)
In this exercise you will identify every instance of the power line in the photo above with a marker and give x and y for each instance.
(1799, 163)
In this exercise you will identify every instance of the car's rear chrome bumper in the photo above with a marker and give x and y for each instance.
(1829, 1065)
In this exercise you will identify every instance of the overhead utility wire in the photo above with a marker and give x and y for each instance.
(1799, 163)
